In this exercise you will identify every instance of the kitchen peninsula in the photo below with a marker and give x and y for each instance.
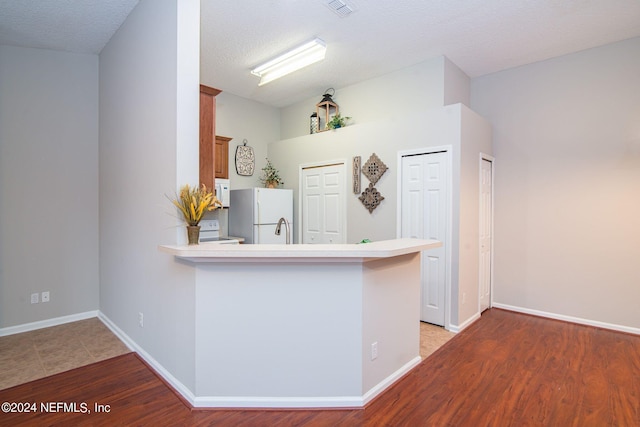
(303, 325)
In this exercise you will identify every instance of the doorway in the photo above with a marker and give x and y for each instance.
(323, 194)
(425, 187)
(486, 231)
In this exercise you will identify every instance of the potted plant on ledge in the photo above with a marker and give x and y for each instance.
(337, 122)
(270, 176)
(192, 203)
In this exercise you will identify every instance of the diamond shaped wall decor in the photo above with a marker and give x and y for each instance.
(374, 168)
(371, 198)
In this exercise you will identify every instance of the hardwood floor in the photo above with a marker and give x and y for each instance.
(507, 369)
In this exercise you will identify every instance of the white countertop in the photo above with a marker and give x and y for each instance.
(214, 252)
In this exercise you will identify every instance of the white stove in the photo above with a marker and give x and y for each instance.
(210, 233)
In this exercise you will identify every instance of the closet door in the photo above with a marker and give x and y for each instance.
(424, 195)
(323, 204)
(486, 231)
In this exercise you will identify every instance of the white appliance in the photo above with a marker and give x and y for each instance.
(210, 233)
(256, 211)
(222, 191)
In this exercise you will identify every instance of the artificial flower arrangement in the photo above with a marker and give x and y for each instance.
(193, 202)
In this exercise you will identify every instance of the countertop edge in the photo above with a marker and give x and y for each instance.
(383, 249)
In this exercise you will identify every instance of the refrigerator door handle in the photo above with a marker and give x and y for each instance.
(257, 237)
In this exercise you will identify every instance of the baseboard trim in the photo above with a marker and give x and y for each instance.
(341, 402)
(289, 402)
(390, 380)
(465, 324)
(257, 402)
(236, 402)
(571, 319)
(26, 327)
(172, 381)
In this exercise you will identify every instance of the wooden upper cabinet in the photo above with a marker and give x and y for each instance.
(207, 135)
(222, 157)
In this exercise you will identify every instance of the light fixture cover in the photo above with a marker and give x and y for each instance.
(291, 61)
(340, 8)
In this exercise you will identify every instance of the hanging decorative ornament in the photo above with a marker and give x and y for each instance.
(374, 168)
(371, 198)
(356, 174)
(245, 159)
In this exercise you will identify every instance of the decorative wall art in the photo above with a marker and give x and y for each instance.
(356, 174)
(374, 168)
(245, 159)
(371, 198)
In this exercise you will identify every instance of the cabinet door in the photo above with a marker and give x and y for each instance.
(222, 157)
(207, 132)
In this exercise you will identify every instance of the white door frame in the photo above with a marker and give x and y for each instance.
(487, 157)
(430, 150)
(324, 163)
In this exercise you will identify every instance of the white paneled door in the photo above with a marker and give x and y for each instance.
(424, 215)
(323, 204)
(486, 225)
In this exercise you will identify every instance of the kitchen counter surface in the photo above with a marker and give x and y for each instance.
(212, 252)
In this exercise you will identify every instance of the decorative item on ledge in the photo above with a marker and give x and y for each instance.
(337, 122)
(192, 203)
(371, 198)
(356, 174)
(374, 168)
(326, 109)
(270, 176)
(245, 159)
(313, 123)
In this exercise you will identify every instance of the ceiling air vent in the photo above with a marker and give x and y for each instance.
(340, 8)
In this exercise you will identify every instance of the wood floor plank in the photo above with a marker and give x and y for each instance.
(507, 369)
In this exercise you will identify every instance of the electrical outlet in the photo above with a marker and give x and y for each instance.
(45, 296)
(374, 350)
(141, 320)
(34, 298)
(464, 297)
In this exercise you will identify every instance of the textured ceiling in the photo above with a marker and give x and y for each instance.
(480, 36)
(81, 26)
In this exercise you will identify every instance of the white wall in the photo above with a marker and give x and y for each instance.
(240, 118)
(148, 149)
(454, 125)
(456, 84)
(418, 129)
(475, 137)
(385, 98)
(48, 183)
(567, 183)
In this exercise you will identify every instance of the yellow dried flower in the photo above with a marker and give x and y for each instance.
(193, 201)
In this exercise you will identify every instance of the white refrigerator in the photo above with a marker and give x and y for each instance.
(254, 214)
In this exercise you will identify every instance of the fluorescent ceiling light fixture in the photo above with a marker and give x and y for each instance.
(291, 61)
